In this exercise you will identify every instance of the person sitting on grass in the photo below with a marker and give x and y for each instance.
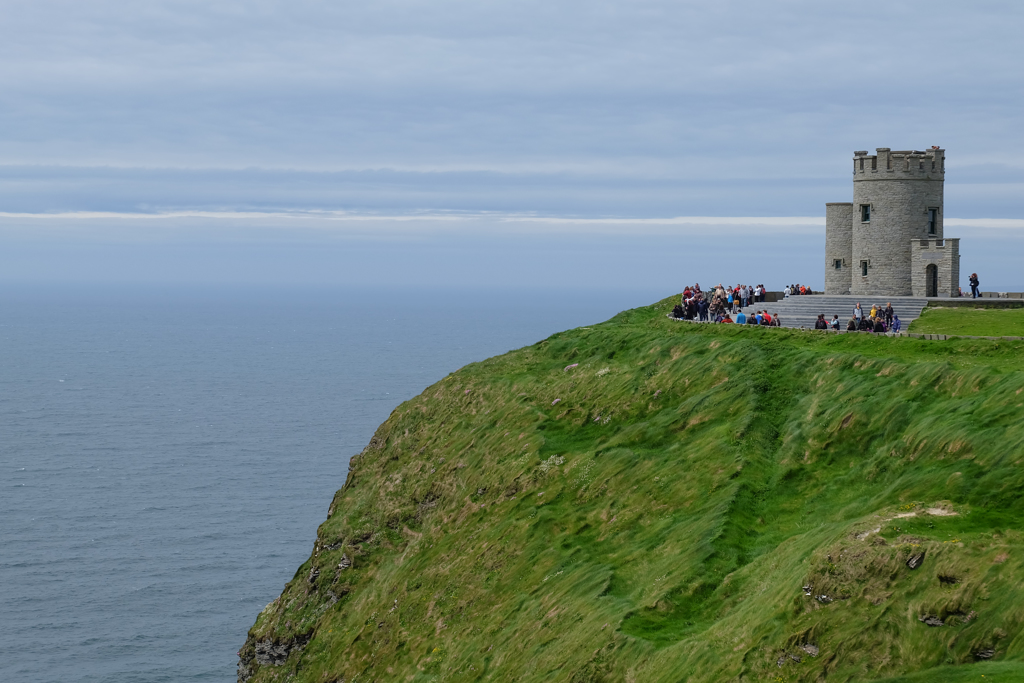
(895, 323)
(727, 319)
(741, 319)
(852, 325)
(820, 323)
(835, 322)
(865, 325)
(879, 325)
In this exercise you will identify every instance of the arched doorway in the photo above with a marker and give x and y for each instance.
(931, 280)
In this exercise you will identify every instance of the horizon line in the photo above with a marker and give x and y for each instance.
(347, 216)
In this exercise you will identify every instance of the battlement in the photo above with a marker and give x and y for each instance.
(903, 164)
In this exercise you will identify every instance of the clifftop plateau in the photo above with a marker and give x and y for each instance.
(644, 500)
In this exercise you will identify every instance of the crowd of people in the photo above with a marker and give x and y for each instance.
(878, 319)
(796, 289)
(720, 304)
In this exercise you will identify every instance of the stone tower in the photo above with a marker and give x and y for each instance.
(893, 228)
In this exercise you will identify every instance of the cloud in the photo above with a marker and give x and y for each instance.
(640, 108)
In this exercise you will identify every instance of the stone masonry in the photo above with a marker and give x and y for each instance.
(877, 244)
(838, 248)
(936, 267)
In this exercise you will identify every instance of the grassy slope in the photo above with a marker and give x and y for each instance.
(986, 322)
(660, 520)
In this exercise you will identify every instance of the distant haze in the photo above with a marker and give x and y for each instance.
(632, 110)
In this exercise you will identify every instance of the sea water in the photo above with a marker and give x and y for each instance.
(167, 454)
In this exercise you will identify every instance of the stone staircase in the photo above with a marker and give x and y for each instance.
(802, 311)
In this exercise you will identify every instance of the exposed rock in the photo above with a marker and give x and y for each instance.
(915, 560)
(985, 654)
(808, 589)
(345, 562)
(812, 650)
(824, 599)
(314, 574)
(267, 652)
(930, 620)
(270, 653)
(786, 656)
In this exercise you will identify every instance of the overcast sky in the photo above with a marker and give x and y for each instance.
(630, 109)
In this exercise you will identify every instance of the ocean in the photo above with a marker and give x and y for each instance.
(168, 453)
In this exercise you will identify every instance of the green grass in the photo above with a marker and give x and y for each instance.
(644, 500)
(987, 322)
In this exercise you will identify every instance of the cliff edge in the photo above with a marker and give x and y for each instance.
(647, 500)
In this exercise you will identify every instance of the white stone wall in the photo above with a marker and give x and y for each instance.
(900, 188)
(838, 247)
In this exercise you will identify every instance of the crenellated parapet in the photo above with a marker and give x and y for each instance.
(886, 164)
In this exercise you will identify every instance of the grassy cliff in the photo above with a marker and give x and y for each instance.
(647, 500)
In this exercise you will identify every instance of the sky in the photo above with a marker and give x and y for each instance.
(349, 142)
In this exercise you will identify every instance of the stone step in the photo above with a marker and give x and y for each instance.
(802, 311)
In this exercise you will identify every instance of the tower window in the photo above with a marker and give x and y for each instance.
(838, 263)
(865, 213)
(864, 268)
(933, 221)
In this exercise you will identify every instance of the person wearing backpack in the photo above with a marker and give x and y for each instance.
(974, 286)
(820, 323)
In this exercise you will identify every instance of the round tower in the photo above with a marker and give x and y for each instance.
(897, 197)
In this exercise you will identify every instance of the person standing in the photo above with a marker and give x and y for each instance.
(858, 313)
(888, 314)
(974, 286)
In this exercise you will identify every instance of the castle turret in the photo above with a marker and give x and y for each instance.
(897, 198)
